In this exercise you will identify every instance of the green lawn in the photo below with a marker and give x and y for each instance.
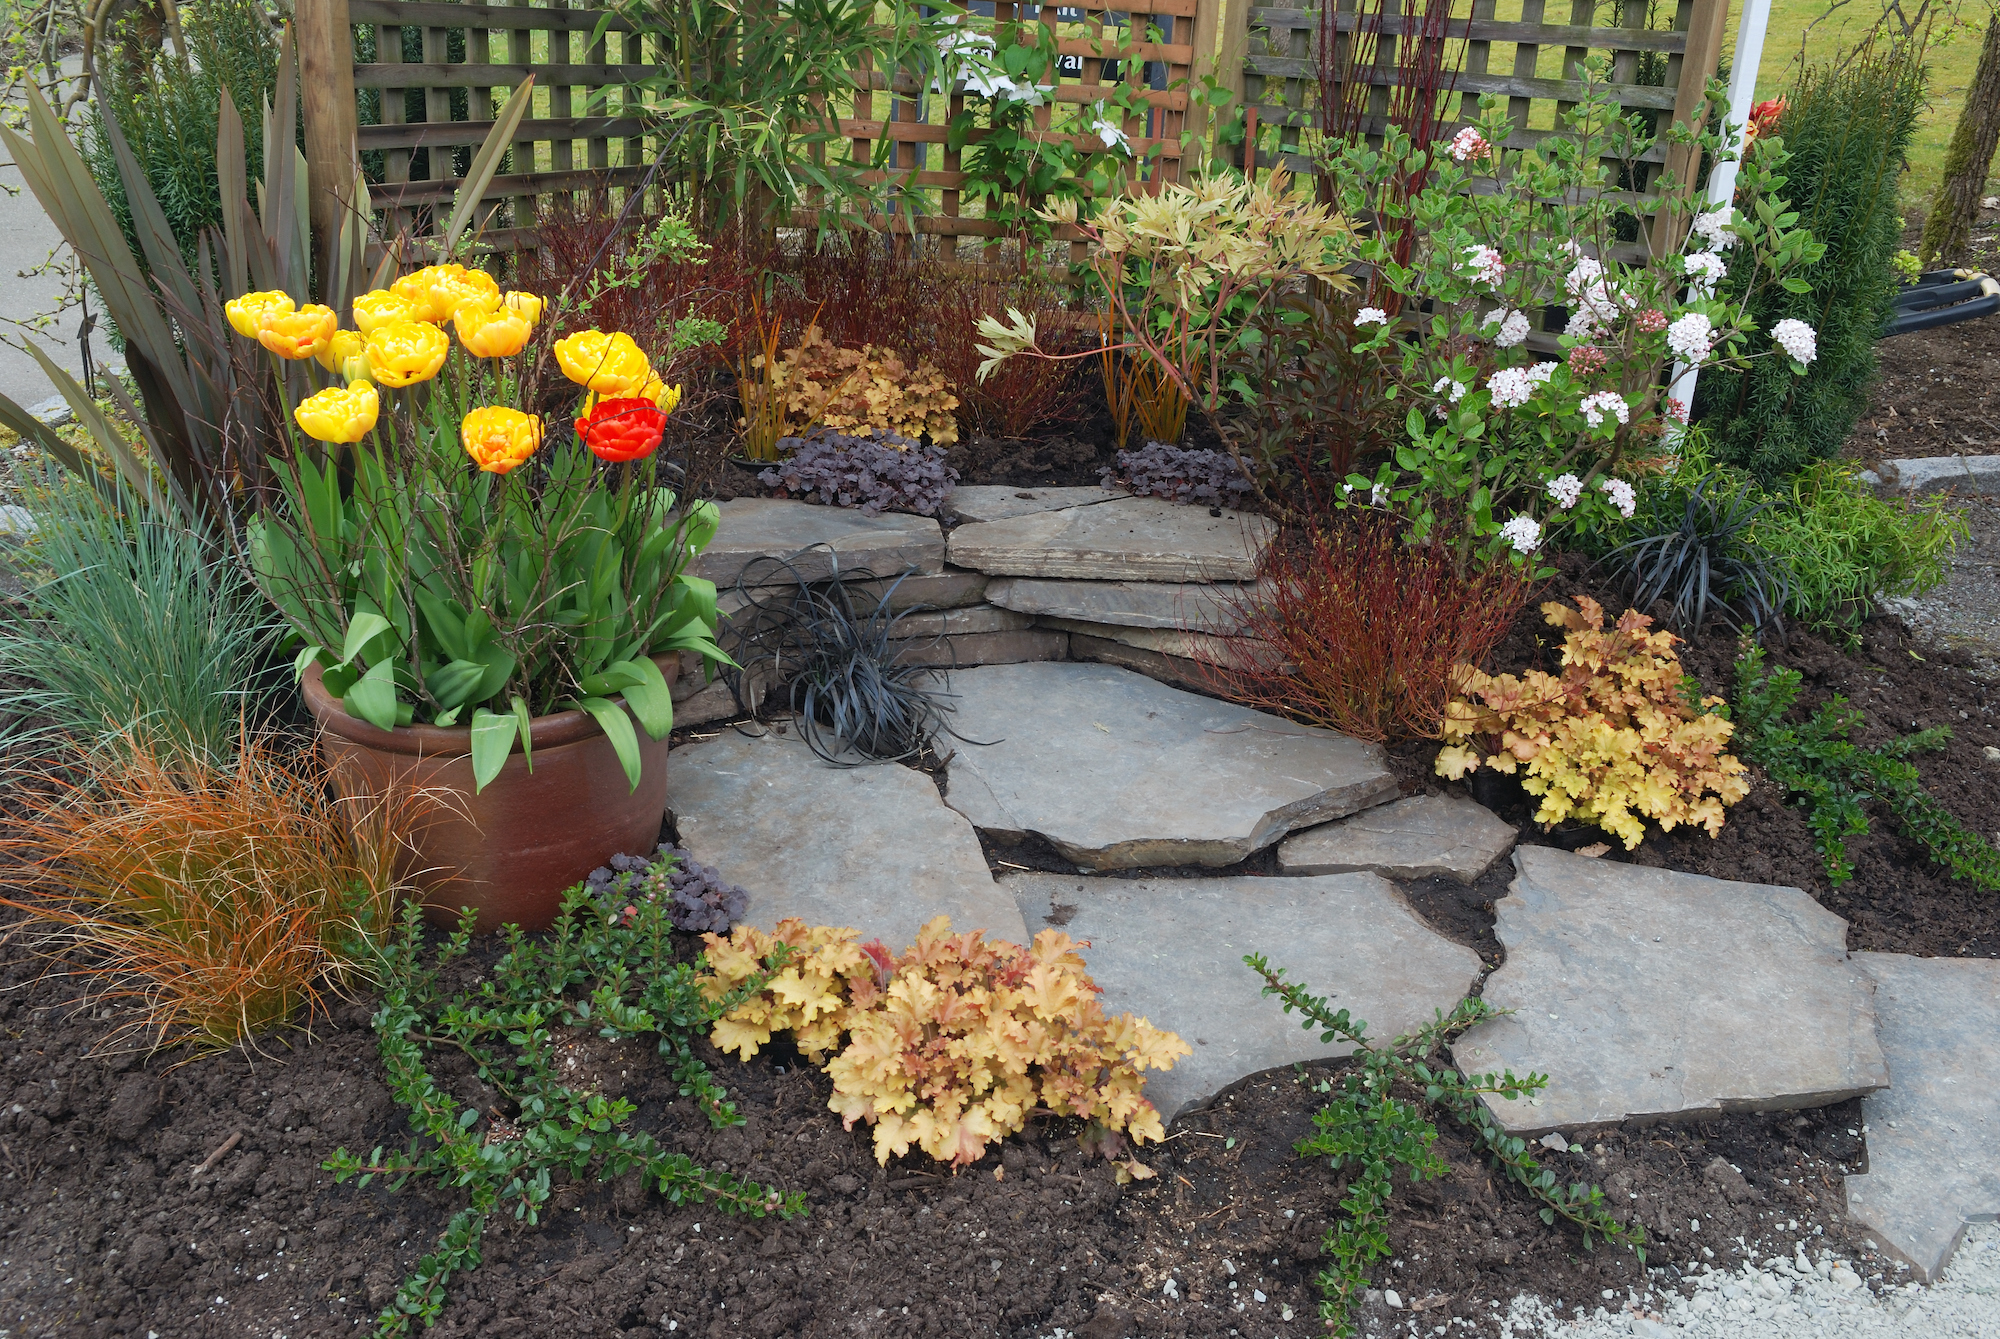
(1954, 52)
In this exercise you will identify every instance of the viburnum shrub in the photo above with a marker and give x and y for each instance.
(950, 1046)
(1618, 737)
(862, 391)
(1503, 441)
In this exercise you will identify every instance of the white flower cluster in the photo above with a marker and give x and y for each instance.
(1511, 386)
(1597, 302)
(1595, 407)
(1713, 228)
(1469, 143)
(1621, 496)
(1485, 264)
(1524, 533)
(973, 52)
(1705, 269)
(1797, 339)
(1451, 390)
(1513, 326)
(1565, 489)
(1691, 337)
(1371, 316)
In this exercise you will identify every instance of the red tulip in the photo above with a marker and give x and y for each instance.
(621, 430)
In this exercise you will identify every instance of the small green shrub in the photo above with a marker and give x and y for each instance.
(131, 627)
(1833, 778)
(596, 974)
(1375, 1130)
(169, 113)
(1847, 129)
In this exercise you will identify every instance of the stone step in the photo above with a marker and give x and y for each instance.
(753, 528)
(963, 650)
(1178, 606)
(1171, 951)
(1649, 995)
(1934, 1133)
(1127, 539)
(1116, 770)
(870, 847)
(998, 502)
(1425, 836)
(1171, 670)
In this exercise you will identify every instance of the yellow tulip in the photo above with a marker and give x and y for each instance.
(611, 365)
(498, 439)
(415, 289)
(527, 304)
(381, 307)
(336, 415)
(297, 334)
(667, 397)
(246, 312)
(407, 352)
(346, 356)
(454, 286)
(496, 333)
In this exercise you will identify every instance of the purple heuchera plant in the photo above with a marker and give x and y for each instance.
(876, 474)
(1207, 478)
(698, 901)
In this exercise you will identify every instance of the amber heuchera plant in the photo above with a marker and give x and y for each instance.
(455, 568)
(1617, 738)
(951, 1045)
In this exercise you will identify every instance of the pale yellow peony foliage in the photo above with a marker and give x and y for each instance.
(950, 1046)
(1610, 741)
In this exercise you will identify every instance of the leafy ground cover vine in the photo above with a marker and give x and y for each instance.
(1375, 1129)
(1833, 778)
(608, 971)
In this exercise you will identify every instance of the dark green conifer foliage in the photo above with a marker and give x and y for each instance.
(1847, 129)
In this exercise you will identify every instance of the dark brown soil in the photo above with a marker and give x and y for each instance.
(106, 1233)
(1937, 395)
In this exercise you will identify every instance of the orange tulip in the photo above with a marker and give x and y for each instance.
(496, 333)
(498, 438)
(297, 334)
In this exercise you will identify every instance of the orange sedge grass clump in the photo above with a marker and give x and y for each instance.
(1364, 632)
(223, 896)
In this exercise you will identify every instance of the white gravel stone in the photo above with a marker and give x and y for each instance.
(1832, 1304)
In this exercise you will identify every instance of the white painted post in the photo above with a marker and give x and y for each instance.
(1722, 177)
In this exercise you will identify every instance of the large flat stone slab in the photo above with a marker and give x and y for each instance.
(871, 847)
(1171, 951)
(1189, 606)
(997, 502)
(761, 527)
(1129, 539)
(1423, 837)
(1934, 1133)
(1118, 771)
(1649, 995)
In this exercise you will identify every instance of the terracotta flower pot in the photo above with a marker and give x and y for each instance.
(511, 850)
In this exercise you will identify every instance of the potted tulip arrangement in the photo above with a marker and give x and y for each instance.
(486, 614)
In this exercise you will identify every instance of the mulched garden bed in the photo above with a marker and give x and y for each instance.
(105, 1229)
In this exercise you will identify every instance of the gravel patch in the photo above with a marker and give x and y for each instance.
(1964, 613)
(1788, 1298)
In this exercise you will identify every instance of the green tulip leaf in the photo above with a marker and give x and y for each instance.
(305, 661)
(617, 726)
(646, 692)
(526, 722)
(492, 740)
(362, 629)
(454, 684)
(373, 697)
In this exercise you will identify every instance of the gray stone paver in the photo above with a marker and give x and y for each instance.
(1171, 951)
(1194, 606)
(997, 502)
(1129, 539)
(870, 847)
(1118, 771)
(1422, 837)
(1934, 1133)
(1647, 994)
(758, 527)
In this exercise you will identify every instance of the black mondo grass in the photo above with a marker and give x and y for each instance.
(863, 689)
(1705, 557)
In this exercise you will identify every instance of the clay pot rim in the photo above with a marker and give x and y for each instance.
(447, 741)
